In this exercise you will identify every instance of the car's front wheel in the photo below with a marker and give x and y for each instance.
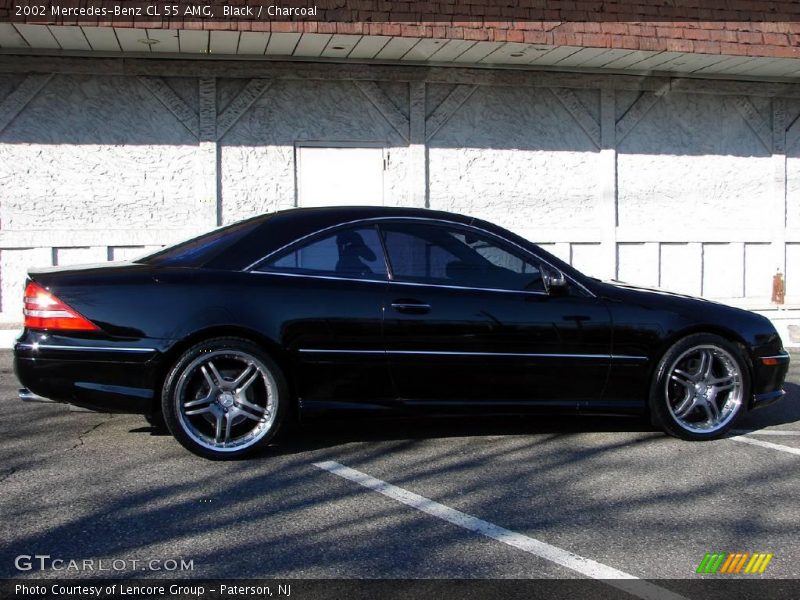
(700, 387)
(224, 398)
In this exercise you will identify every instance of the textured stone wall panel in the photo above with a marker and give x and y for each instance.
(681, 268)
(793, 181)
(8, 83)
(124, 252)
(95, 186)
(723, 270)
(638, 263)
(186, 89)
(435, 93)
(14, 265)
(258, 153)
(758, 270)
(95, 152)
(793, 270)
(79, 256)
(587, 258)
(693, 162)
(227, 90)
(516, 157)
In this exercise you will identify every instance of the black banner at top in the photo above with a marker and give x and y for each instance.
(490, 12)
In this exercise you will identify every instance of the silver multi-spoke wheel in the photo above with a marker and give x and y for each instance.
(225, 400)
(704, 388)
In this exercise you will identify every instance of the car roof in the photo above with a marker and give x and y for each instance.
(344, 214)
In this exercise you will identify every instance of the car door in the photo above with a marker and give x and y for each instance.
(331, 291)
(470, 323)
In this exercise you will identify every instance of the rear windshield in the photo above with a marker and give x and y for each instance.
(201, 249)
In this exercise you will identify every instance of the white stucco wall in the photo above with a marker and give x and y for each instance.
(258, 153)
(692, 162)
(91, 152)
(516, 157)
(99, 168)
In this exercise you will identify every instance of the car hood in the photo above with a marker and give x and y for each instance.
(621, 285)
(691, 308)
(658, 299)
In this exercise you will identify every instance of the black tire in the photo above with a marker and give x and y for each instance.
(687, 387)
(238, 398)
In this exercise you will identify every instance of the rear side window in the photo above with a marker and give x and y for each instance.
(353, 253)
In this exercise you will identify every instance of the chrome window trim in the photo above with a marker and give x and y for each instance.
(309, 276)
(387, 281)
(461, 353)
(377, 220)
(38, 346)
(464, 287)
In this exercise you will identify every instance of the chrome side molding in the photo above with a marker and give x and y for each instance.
(476, 353)
(38, 346)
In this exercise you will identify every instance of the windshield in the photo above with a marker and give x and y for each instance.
(201, 249)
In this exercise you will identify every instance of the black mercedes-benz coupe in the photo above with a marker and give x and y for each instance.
(380, 310)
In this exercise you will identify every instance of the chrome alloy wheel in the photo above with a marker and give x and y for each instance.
(226, 400)
(705, 388)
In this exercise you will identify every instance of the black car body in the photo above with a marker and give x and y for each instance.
(403, 317)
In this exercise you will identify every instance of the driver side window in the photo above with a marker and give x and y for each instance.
(447, 255)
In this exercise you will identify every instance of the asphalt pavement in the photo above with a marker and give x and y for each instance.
(454, 498)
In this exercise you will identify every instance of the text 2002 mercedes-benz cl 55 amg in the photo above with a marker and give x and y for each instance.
(381, 310)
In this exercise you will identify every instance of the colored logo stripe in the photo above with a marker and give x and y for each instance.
(736, 563)
(711, 562)
(758, 564)
(731, 563)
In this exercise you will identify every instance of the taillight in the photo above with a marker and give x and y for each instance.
(43, 310)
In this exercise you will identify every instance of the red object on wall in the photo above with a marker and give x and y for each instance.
(778, 288)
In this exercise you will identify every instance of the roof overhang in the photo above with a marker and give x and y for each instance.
(96, 41)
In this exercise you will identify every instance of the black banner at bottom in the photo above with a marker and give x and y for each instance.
(406, 589)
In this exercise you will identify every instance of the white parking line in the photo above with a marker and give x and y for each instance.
(585, 566)
(765, 432)
(763, 444)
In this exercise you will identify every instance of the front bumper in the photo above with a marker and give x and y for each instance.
(769, 373)
(106, 375)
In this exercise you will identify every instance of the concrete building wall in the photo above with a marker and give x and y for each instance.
(694, 192)
(258, 153)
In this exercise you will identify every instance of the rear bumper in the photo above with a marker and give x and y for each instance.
(111, 376)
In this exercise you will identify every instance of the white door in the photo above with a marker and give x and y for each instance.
(339, 176)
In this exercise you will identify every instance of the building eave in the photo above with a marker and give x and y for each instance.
(192, 44)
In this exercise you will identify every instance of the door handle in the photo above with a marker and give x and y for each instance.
(412, 307)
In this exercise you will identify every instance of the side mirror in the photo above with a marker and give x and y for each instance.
(555, 282)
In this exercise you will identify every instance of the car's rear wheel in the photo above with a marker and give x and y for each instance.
(700, 387)
(224, 398)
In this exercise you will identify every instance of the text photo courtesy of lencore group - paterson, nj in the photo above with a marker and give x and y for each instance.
(321, 299)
